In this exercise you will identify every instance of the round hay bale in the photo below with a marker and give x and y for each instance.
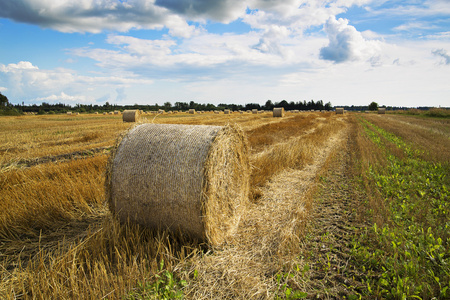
(131, 115)
(339, 110)
(116, 112)
(278, 112)
(381, 110)
(226, 111)
(69, 112)
(192, 178)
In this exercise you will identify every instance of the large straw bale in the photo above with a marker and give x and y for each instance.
(226, 111)
(278, 112)
(69, 112)
(131, 115)
(381, 110)
(192, 178)
(339, 110)
(116, 112)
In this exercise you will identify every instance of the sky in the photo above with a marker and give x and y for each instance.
(347, 52)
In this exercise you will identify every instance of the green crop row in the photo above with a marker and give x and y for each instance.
(411, 250)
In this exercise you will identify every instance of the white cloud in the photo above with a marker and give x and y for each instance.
(24, 81)
(64, 98)
(414, 25)
(346, 43)
(99, 15)
(443, 54)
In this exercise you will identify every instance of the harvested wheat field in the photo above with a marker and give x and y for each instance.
(337, 206)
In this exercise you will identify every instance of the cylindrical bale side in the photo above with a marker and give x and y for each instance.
(254, 111)
(381, 110)
(192, 111)
(131, 115)
(191, 178)
(278, 112)
(339, 110)
(226, 111)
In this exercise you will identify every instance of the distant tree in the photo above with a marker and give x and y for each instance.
(167, 105)
(3, 101)
(373, 106)
(269, 105)
(282, 103)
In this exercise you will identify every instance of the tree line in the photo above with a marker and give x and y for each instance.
(57, 108)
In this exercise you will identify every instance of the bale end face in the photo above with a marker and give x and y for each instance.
(339, 110)
(131, 115)
(278, 112)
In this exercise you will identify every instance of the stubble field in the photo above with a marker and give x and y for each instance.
(341, 206)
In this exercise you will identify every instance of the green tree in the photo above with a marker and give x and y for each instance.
(3, 101)
(373, 106)
(167, 105)
(269, 105)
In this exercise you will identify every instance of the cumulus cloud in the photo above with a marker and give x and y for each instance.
(26, 81)
(206, 51)
(218, 10)
(94, 15)
(443, 54)
(346, 43)
(63, 98)
(98, 15)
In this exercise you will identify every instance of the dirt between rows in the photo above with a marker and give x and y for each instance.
(327, 249)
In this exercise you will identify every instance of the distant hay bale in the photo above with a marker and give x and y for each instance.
(96, 113)
(381, 110)
(339, 110)
(217, 112)
(69, 112)
(116, 112)
(104, 113)
(131, 115)
(254, 111)
(161, 111)
(226, 111)
(278, 112)
(192, 178)
(110, 113)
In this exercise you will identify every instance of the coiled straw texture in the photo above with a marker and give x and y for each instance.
(182, 177)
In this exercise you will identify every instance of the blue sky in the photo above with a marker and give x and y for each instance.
(347, 52)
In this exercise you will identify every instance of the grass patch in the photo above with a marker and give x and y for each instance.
(432, 113)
